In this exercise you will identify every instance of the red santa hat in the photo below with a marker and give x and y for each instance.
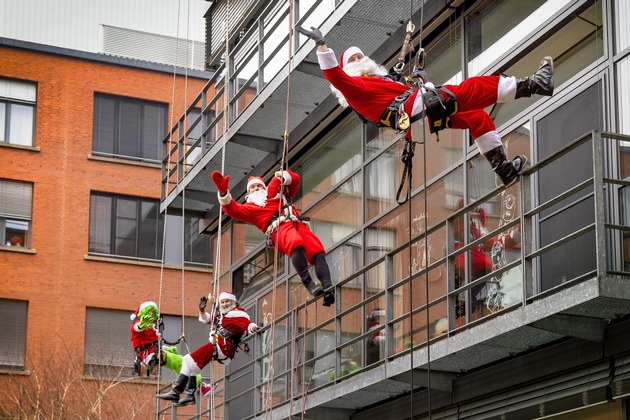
(255, 180)
(142, 306)
(227, 295)
(376, 314)
(348, 52)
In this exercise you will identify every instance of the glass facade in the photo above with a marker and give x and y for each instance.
(452, 256)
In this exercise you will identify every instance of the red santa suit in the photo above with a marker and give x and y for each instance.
(144, 339)
(287, 232)
(371, 95)
(221, 348)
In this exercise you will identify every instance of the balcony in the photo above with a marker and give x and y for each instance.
(435, 339)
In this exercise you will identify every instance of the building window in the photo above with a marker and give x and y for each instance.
(16, 199)
(108, 349)
(17, 112)
(128, 128)
(13, 333)
(125, 226)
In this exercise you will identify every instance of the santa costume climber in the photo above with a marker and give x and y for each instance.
(288, 232)
(368, 88)
(376, 340)
(227, 329)
(144, 335)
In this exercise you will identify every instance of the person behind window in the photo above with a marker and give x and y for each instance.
(480, 260)
(377, 96)
(16, 241)
(376, 340)
(288, 231)
(228, 326)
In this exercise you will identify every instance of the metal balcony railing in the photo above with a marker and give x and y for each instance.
(433, 290)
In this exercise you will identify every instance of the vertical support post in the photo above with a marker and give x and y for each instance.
(600, 208)
(527, 238)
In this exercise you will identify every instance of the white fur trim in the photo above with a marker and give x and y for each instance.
(136, 327)
(227, 295)
(255, 180)
(132, 317)
(488, 141)
(236, 313)
(327, 59)
(205, 317)
(506, 91)
(252, 327)
(286, 177)
(189, 367)
(225, 200)
(349, 52)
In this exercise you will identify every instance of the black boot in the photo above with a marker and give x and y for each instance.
(329, 298)
(178, 387)
(312, 287)
(189, 393)
(507, 170)
(323, 273)
(540, 83)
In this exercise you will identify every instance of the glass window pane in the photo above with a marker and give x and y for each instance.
(149, 231)
(129, 130)
(153, 131)
(500, 25)
(334, 160)
(21, 125)
(13, 314)
(107, 341)
(3, 117)
(126, 226)
(621, 30)
(100, 224)
(330, 224)
(16, 232)
(103, 133)
(561, 127)
(576, 45)
(623, 95)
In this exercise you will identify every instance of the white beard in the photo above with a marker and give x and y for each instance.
(258, 197)
(225, 310)
(358, 68)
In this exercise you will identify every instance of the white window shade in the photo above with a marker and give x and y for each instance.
(16, 199)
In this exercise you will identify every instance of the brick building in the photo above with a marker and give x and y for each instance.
(82, 233)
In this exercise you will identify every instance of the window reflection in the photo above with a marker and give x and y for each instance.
(573, 47)
(339, 214)
(333, 160)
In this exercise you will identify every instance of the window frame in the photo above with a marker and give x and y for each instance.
(117, 134)
(10, 101)
(114, 222)
(10, 213)
(19, 333)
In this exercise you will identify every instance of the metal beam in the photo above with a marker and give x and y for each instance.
(586, 328)
(260, 143)
(439, 380)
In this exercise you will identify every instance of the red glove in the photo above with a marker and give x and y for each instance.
(220, 181)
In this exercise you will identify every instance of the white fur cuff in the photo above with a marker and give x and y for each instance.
(252, 327)
(225, 200)
(327, 59)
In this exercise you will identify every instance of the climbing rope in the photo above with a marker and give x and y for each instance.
(217, 262)
(168, 171)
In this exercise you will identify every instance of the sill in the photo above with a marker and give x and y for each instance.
(125, 161)
(18, 372)
(144, 380)
(144, 263)
(19, 249)
(20, 147)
